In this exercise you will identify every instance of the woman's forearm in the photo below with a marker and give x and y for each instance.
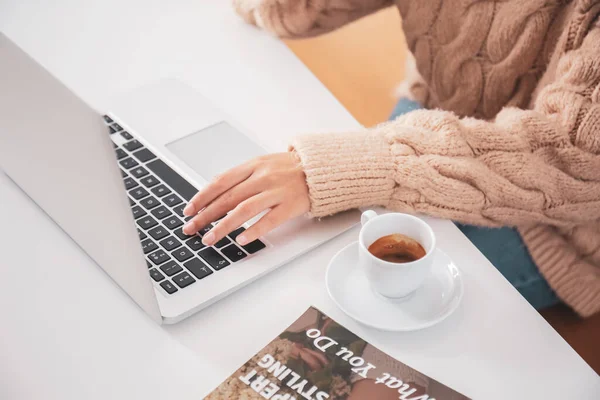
(527, 166)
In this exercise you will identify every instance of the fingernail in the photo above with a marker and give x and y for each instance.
(189, 227)
(242, 240)
(208, 239)
(188, 210)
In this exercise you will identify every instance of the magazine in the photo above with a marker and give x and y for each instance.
(316, 359)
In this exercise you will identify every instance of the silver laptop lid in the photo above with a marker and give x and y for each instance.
(56, 148)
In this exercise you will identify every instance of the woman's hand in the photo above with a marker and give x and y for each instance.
(274, 181)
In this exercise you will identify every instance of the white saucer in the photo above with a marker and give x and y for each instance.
(435, 300)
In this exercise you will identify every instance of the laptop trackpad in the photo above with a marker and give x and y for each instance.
(215, 149)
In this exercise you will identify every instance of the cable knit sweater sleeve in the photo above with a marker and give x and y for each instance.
(526, 166)
(302, 18)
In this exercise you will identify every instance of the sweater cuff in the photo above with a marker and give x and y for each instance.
(346, 170)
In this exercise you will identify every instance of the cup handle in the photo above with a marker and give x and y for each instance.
(367, 216)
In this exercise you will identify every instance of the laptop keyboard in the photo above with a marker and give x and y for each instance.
(157, 195)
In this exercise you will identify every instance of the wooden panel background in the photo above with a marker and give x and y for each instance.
(360, 64)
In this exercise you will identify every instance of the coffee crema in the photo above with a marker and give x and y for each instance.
(397, 248)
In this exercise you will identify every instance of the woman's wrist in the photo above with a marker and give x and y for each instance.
(345, 170)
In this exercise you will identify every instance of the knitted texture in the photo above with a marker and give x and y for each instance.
(511, 137)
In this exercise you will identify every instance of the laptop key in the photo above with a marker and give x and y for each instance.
(183, 279)
(148, 264)
(108, 119)
(179, 210)
(129, 183)
(133, 145)
(223, 242)
(157, 276)
(171, 268)
(117, 127)
(161, 190)
(148, 246)
(161, 212)
(149, 181)
(159, 257)
(131, 202)
(158, 233)
(146, 222)
(168, 287)
(171, 200)
(144, 155)
(233, 252)
(182, 254)
(139, 172)
(142, 235)
(138, 193)
(172, 222)
(254, 246)
(205, 230)
(120, 154)
(195, 243)
(213, 258)
(172, 178)
(198, 268)
(234, 234)
(112, 130)
(123, 174)
(179, 233)
(149, 202)
(138, 212)
(128, 163)
(126, 135)
(170, 243)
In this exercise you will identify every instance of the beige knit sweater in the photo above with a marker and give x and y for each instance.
(511, 137)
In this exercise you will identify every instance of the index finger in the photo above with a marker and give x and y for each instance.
(217, 187)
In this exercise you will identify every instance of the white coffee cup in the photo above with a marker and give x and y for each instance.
(395, 280)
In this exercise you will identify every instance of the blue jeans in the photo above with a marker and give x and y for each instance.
(503, 247)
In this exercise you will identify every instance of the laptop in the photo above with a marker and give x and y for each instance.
(116, 182)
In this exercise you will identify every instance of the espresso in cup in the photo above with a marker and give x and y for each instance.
(397, 248)
(396, 251)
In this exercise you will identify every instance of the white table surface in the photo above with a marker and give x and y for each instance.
(68, 332)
